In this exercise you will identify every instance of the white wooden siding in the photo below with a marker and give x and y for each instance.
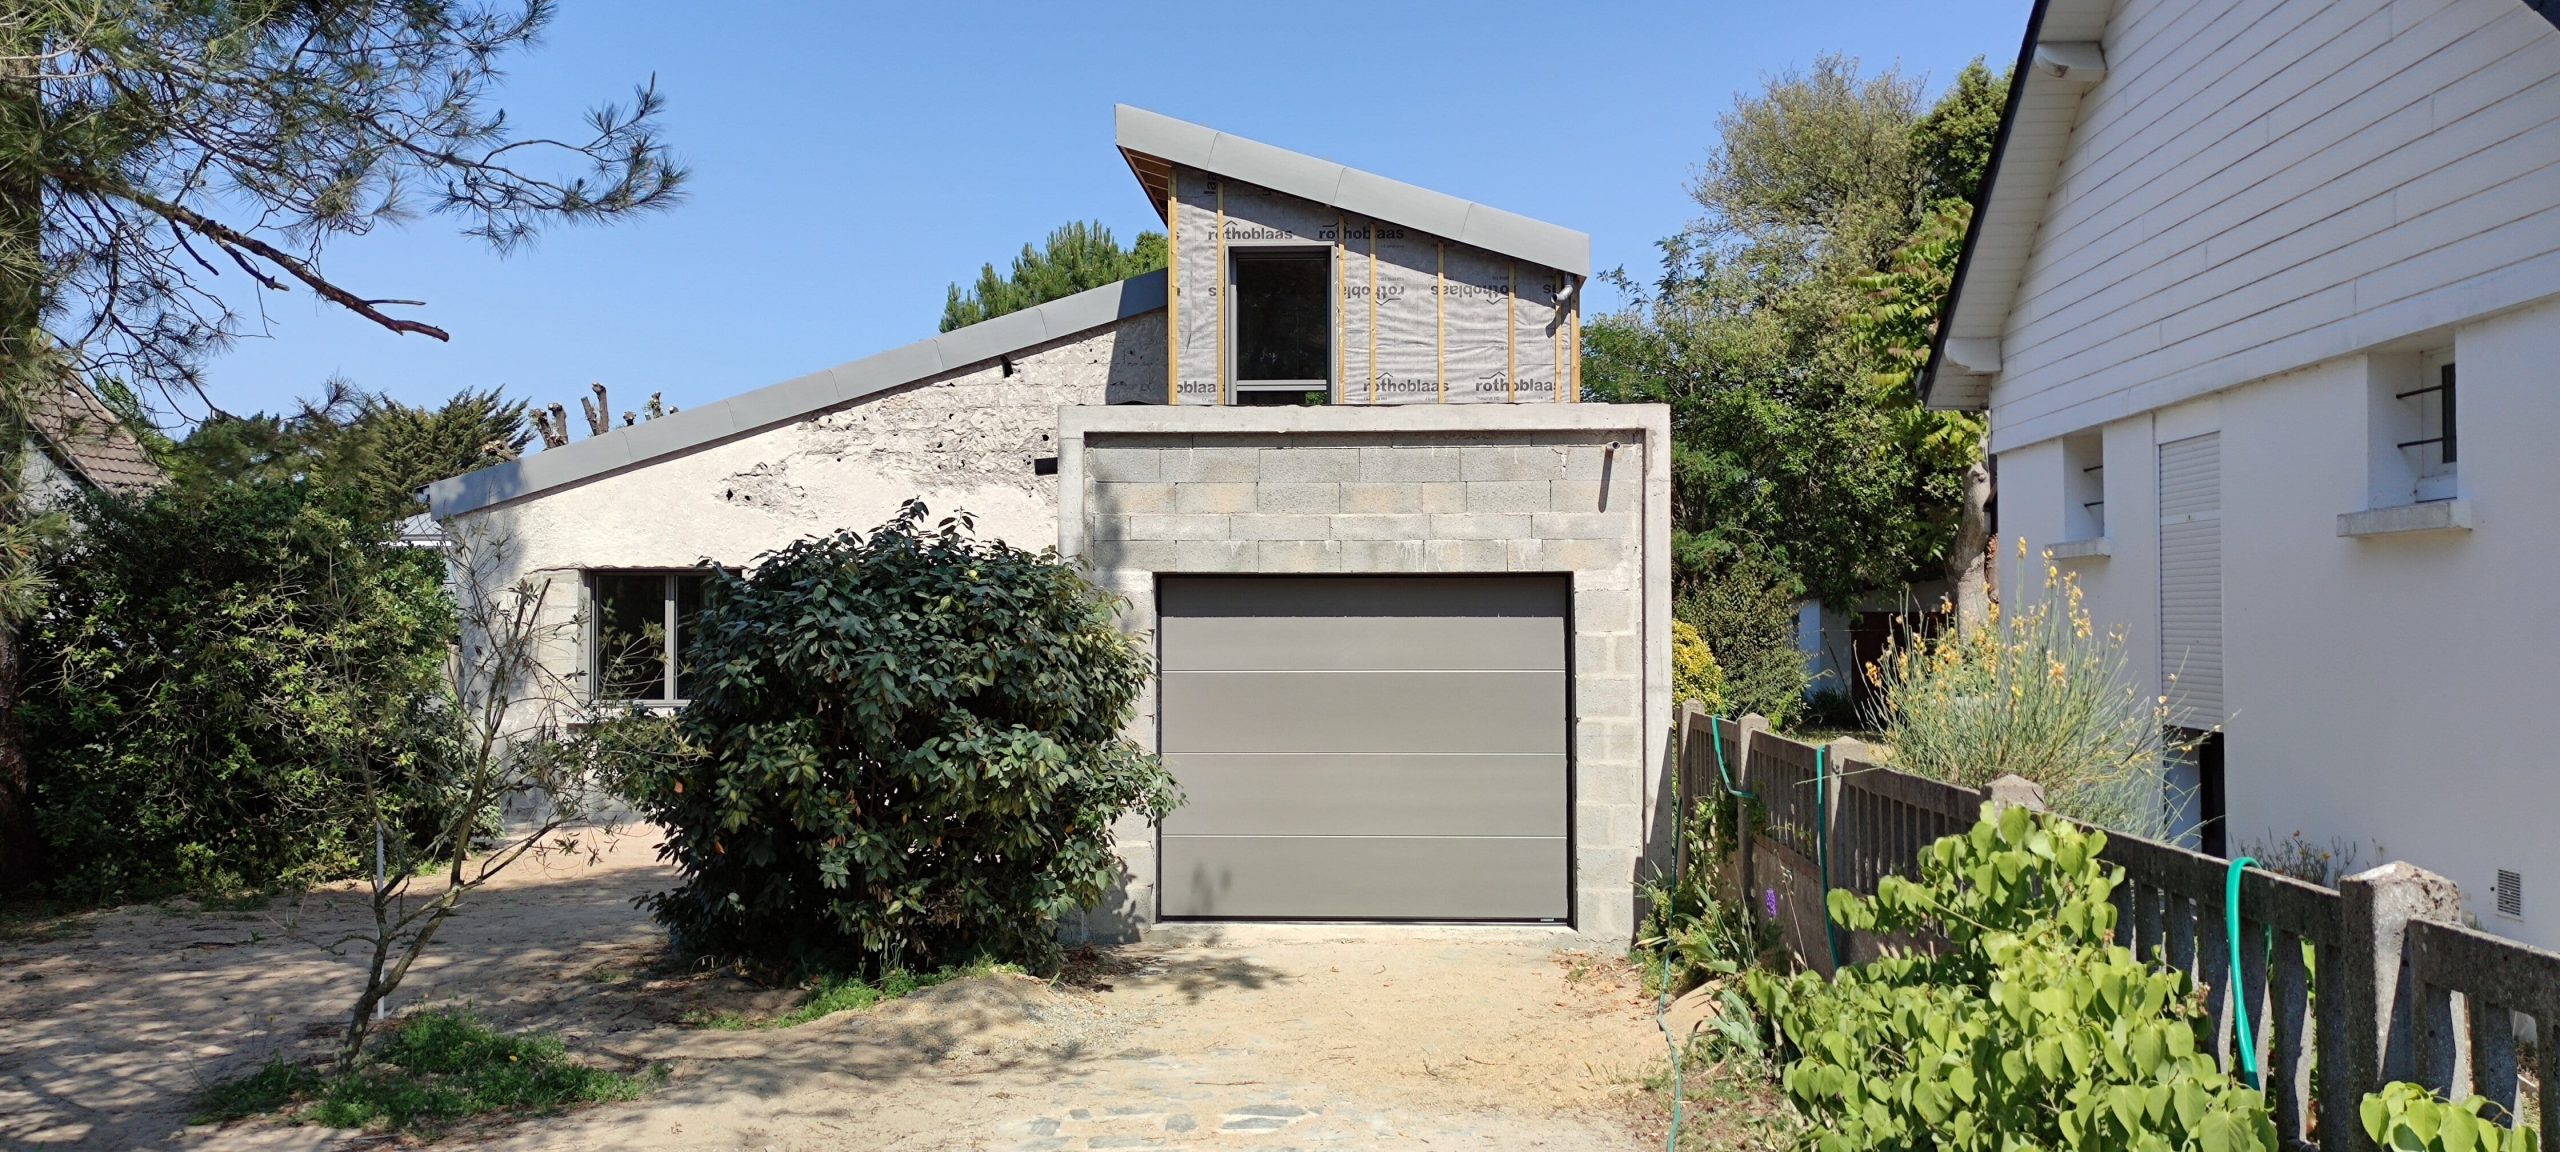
(2191, 579)
(2263, 184)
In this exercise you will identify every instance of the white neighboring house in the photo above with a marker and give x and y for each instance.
(2230, 259)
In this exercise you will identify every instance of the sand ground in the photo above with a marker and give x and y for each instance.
(1261, 1036)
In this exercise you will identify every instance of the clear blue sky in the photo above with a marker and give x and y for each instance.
(852, 160)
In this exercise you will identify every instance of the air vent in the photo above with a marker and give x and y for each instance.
(2510, 894)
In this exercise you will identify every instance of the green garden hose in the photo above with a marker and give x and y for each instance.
(2243, 1038)
(1822, 851)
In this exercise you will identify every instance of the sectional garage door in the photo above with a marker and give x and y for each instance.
(1385, 748)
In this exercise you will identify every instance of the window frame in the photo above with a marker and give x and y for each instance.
(1319, 254)
(2435, 464)
(671, 646)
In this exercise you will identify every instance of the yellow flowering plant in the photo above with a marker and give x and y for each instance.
(2037, 691)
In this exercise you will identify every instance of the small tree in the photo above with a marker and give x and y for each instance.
(910, 753)
(517, 770)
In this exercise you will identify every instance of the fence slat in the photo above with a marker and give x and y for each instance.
(2493, 1053)
(2546, 1068)
(2433, 1020)
(2179, 914)
(2213, 971)
(2290, 1075)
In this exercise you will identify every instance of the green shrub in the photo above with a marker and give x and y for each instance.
(2028, 1029)
(1691, 921)
(1745, 609)
(2405, 1117)
(430, 1070)
(910, 754)
(188, 692)
(2036, 692)
(1694, 672)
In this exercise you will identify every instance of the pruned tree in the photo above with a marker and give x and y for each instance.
(153, 153)
(522, 770)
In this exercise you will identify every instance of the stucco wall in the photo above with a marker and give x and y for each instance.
(2389, 688)
(962, 441)
(1172, 490)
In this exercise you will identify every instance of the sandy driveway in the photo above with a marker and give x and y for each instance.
(1263, 1037)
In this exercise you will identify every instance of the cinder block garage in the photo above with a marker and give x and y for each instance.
(1366, 747)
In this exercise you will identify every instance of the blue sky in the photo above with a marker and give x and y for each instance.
(852, 160)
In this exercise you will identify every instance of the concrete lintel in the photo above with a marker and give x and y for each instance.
(2094, 546)
(1080, 421)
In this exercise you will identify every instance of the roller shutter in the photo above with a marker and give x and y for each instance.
(2191, 580)
(1387, 748)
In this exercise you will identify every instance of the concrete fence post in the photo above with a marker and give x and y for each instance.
(2380, 1006)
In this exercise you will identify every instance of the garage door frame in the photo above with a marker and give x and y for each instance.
(1572, 758)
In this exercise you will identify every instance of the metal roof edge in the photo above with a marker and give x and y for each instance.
(1307, 177)
(776, 404)
(2018, 74)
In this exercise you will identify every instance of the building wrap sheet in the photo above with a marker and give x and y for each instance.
(1419, 319)
(1199, 353)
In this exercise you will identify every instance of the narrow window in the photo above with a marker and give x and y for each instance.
(1281, 309)
(638, 619)
(2084, 487)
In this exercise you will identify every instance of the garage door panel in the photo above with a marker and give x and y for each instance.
(1366, 877)
(1368, 794)
(1362, 643)
(1329, 711)
(1258, 597)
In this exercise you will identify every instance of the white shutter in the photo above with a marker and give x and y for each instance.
(2191, 580)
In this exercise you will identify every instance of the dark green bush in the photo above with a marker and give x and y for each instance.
(1746, 609)
(910, 754)
(188, 692)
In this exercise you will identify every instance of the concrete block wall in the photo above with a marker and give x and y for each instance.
(1582, 491)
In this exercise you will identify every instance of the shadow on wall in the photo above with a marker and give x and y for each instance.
(1118, 918)
(1137, 362)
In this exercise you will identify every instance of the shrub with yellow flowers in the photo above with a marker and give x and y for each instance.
(2033, 690)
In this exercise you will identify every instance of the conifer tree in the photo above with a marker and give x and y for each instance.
(162, 160)
(1076, 257)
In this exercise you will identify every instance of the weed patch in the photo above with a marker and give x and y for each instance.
(433, 1070)
(829, 995)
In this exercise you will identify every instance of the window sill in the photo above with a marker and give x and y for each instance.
(2093, 547)
(2402, 519)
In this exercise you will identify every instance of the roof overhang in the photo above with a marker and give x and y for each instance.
(790, 400)
(1155, 144)
(2060, 60)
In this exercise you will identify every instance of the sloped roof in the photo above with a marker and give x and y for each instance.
(1152, 143)
(777, 404)
(92, 442)
(2059, 60)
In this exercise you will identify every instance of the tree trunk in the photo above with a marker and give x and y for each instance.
(22, 359)
(1969, 557)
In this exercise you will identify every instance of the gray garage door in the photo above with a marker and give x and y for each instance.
(1365, 747)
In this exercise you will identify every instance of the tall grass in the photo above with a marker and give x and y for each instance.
(2037, 692)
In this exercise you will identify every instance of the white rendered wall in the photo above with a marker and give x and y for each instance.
(2393, 688)
(963, 441)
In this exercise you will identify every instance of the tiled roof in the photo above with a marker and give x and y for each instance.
(92, 442)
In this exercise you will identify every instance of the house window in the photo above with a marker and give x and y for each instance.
(2436, 446)
(637, 620)
(2084, 487)
(1282, 317)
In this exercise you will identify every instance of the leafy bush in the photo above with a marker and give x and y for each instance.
(2406, 1117)
(1694, 673)
(2029, 1029)
(911, 754)
(188, 692)
(1690, 919)
(431, 1070)
(2038, 693)
(1745, 609)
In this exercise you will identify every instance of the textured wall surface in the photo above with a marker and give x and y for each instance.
(963, 441)
(1314, 492)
